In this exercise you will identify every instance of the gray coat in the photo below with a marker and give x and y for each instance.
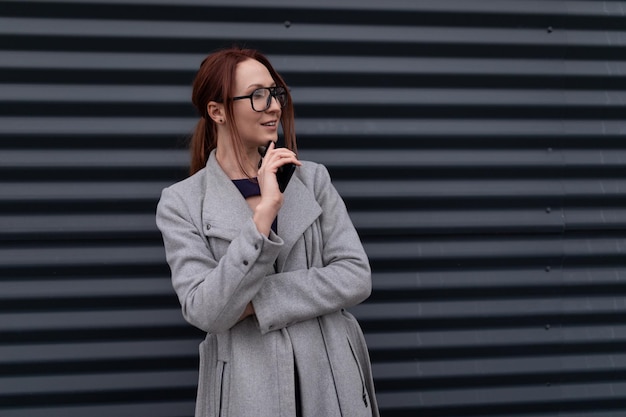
(219, 262)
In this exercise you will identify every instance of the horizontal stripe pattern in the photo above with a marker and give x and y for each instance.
(479, 147)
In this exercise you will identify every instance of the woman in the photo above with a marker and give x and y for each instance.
(266, 274)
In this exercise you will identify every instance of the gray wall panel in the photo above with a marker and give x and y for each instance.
(479, 147)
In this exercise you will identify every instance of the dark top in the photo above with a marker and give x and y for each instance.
(250, 188)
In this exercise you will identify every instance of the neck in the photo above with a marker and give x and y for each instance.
(227, 160)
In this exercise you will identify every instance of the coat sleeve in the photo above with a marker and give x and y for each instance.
(343, 280)
(213, 293)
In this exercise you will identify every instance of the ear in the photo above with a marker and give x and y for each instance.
(216, 111)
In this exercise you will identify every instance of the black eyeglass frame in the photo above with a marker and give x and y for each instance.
(274, 92)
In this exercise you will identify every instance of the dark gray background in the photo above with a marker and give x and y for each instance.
(479, 146)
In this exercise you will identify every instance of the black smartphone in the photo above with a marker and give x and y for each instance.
(284, 173)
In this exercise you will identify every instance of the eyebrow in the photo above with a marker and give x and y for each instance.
(261, 85)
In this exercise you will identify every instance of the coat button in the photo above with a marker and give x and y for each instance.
(208, 227)
(245, 262)
(256, 246)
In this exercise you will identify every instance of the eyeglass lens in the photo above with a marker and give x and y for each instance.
(262, 98)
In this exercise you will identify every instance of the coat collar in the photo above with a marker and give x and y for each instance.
(224, 204)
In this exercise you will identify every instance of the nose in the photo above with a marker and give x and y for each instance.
(274, 104)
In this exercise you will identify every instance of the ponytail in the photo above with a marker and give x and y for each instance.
(203, 141)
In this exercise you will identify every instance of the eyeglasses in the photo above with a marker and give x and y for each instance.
(261, 98)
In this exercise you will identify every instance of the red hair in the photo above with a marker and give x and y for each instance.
(215, 81)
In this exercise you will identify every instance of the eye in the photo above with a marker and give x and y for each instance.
(259, 93)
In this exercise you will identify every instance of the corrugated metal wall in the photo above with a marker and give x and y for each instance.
(479, 146)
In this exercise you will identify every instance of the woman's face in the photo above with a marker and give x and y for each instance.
(255, 128)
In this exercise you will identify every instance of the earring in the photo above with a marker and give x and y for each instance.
(221, 120)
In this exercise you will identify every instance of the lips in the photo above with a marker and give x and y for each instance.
(272, 123)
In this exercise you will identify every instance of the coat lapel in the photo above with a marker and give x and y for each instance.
(223, 204)
(300, 209)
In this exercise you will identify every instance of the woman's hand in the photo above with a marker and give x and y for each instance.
(249, 311)
(271, 197)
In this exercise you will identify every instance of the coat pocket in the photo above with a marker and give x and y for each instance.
(221, 389)
(364, 395)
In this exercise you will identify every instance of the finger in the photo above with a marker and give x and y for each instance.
(280, 160)
(279, 155)
(284, 153)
